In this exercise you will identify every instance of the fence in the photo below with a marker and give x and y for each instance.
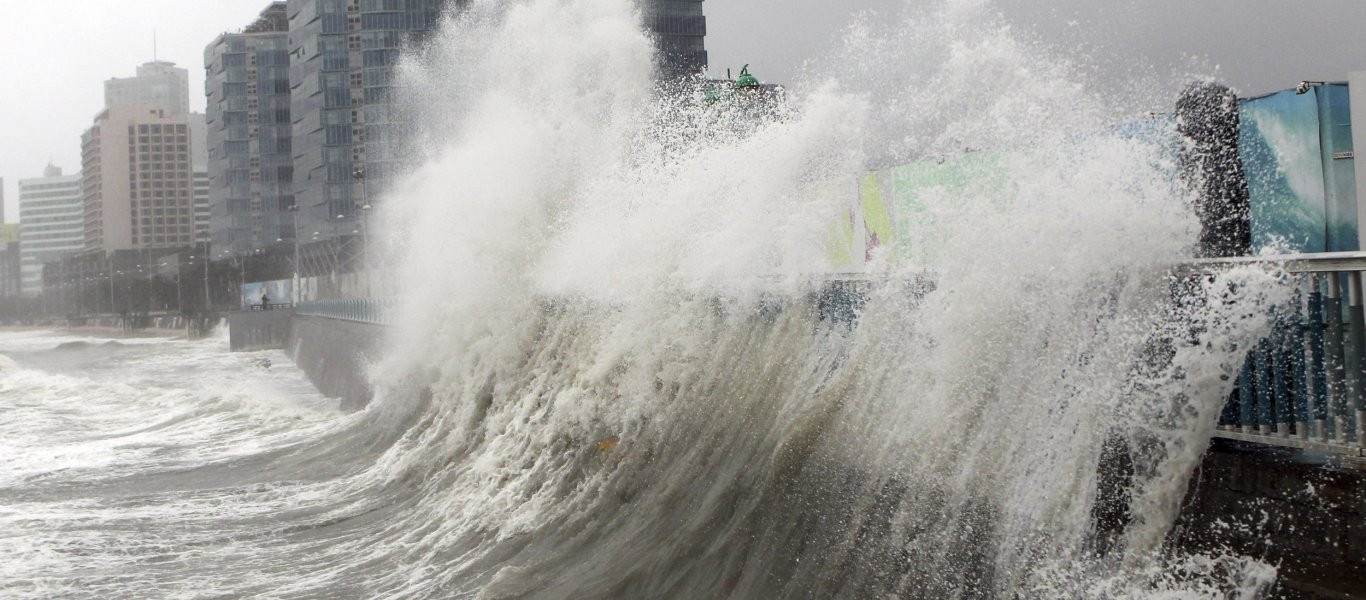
(376, 311)
(1303, 385)
(272, 306)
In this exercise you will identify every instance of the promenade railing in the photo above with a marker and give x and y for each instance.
(1302, 386)
(375, 311)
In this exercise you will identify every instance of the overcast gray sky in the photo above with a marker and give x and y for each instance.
(57, 53)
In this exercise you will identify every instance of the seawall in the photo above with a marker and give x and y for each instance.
(1301, 511)
(333, 353)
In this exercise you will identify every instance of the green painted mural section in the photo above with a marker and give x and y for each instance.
(1296, 151)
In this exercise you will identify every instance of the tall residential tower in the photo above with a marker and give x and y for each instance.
(137, 163)
(344, 103)
(157, 83)
(343, 57)
(680, 30)
(251, 168)
(51, 224)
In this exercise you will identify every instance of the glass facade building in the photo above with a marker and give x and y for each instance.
(250, 169)
(344, 102)
(680, 31)
(343, 57)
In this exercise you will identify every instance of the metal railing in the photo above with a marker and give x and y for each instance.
(272, 306)
(1303, 385)
(375, 311)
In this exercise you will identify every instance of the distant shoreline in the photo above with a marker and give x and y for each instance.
(111, 332)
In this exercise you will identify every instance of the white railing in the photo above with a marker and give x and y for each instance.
(1302, 386)
(375, 311)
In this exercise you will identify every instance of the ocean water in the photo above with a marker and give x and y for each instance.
(610, 374)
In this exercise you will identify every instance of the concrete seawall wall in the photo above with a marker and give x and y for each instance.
(335, 355)
(259, 330)
(1293, 509)
(1297, 510)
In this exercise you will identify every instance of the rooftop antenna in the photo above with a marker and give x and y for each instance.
(154, 45)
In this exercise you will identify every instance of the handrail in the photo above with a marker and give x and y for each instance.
(1320, 262)
(268, 307)
(1304, 386)
(375, 311)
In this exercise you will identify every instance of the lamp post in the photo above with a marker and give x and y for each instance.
(113, 296)
(365, 245)
(294, 292)
(208, 300)
(360, 176)
(112, 309)
(179, 304)
(240, 261)
(80, 281)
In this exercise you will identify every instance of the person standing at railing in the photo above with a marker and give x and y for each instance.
(265, 301)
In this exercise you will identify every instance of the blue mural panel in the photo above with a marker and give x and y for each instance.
(280, 291)
(1294, 149)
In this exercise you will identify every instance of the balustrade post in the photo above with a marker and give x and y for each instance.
(1356, 340)
(1247, 394)
(1262, 376)
(1299, 343)
(1280, 372)
(1318, 375)
(1337, 372)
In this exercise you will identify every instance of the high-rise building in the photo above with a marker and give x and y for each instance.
(250, 164)
(199, 165)
(680, 30)
(137, 180)
(137, 163)
(51, 224)
(343, 56)
(158, 83)
(203, 207)
(343, 101)
(9, 260)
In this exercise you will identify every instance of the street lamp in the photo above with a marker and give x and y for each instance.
(208, 300)
(360, 175)
(294, 210)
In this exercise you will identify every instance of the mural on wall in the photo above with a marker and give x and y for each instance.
(1295, 149)
(895, 218)
(877, 221)
(1303, 199)
(922, 189)
(1339, 168)
(280, 291)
